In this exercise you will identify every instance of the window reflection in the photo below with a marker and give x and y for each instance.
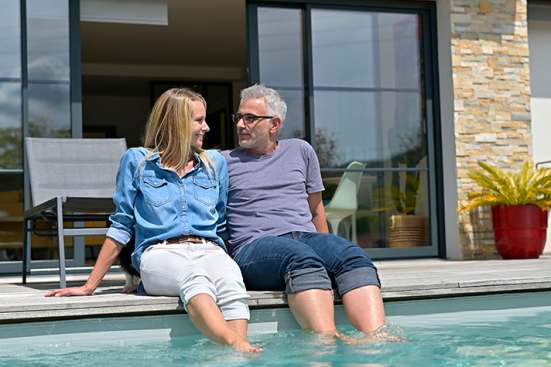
(372, 127)
(280, 35)
(10, 41)
(365, 49)
(343, 48)
(11, 149)
(11, 216)
(280, 47)
(294, 125)
(48, 39)
(346, 128)
(49, 111)
(368, 100)
(380, 220)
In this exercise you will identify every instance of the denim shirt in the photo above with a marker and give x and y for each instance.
(160, 205)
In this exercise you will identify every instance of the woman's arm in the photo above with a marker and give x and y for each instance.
(106, 258)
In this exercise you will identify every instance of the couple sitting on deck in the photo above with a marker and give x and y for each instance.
(178, 198)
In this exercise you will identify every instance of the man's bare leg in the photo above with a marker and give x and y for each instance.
(314, 311)
(206, 316)
(239, 327)
(364, 308)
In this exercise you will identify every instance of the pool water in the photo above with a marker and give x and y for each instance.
(515, 337)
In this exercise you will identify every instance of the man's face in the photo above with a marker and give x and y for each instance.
(256, 134)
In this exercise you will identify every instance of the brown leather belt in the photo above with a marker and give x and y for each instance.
(182, 239)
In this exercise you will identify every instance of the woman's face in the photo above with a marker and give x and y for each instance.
(199, 125)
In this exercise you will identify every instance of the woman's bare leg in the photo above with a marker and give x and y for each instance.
(206, 316)
(239, 327)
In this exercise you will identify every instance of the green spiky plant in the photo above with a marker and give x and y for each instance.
(528, 187)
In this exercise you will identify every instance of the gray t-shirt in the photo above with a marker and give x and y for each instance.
(267, 194)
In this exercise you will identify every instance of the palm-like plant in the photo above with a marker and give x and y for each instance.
(528, 187)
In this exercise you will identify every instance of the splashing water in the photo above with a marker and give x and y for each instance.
(516, 339)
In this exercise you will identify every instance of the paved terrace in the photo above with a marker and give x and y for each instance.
(402, 280)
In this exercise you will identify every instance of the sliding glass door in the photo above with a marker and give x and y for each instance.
(359, 85)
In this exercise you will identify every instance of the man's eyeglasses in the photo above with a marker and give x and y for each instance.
(248, 118)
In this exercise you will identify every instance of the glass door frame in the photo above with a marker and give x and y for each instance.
(427, 10)
(75, 85)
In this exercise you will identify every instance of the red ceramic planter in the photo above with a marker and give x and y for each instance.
(520, 231)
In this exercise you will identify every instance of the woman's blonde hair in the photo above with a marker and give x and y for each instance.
(168, 130)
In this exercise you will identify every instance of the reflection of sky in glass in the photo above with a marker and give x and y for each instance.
(342, 48)
(49, 110)
(364, 49)
(400, 44)
(350, 120)
(48, 39)
(402, 126)
(280, 47)
(10, 105)
(294, 122)
(10, 126)
(10, 42)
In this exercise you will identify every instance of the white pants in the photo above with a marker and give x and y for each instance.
(189, 269)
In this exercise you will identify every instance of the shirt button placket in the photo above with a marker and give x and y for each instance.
(183, 200)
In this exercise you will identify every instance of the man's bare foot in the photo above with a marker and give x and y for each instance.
(386, 334)
(244, 346)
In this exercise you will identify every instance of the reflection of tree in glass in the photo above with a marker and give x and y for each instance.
(44, 127)
(327, 149)
(11, 151)
(11, 147)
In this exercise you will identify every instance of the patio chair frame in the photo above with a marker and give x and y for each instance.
(63, 209)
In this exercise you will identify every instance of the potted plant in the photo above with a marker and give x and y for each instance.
(520, 205)
(406, 229)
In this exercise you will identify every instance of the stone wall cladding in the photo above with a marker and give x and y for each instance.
(491, 79)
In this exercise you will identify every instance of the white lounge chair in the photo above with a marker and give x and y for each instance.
(344, 202)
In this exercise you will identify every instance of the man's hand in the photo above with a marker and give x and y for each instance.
(78, 291)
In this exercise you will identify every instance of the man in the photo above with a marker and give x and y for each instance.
(278, 231)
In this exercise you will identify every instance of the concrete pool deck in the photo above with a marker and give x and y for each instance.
(401, 280)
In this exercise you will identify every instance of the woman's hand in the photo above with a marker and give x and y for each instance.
(106, 258)
(77, 291)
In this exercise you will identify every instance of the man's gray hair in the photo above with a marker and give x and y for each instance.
(275, 104)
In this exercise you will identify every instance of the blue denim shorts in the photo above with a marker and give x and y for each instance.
(300, 261)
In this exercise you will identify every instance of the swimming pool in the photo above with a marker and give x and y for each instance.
(512, 329)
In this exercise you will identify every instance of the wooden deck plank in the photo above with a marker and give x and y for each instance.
(401, 280)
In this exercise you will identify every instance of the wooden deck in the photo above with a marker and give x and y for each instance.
(401, 280)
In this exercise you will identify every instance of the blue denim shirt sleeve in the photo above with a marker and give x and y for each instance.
(122, 222)
(221, 225)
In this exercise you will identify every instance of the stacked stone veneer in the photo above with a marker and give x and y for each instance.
(491, 81)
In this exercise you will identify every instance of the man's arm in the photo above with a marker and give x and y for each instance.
(315, 203)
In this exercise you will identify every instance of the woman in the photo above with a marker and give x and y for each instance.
(174, 194)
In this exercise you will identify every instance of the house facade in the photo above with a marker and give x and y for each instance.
(408, 93)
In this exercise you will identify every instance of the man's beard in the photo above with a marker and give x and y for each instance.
(260, 140)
